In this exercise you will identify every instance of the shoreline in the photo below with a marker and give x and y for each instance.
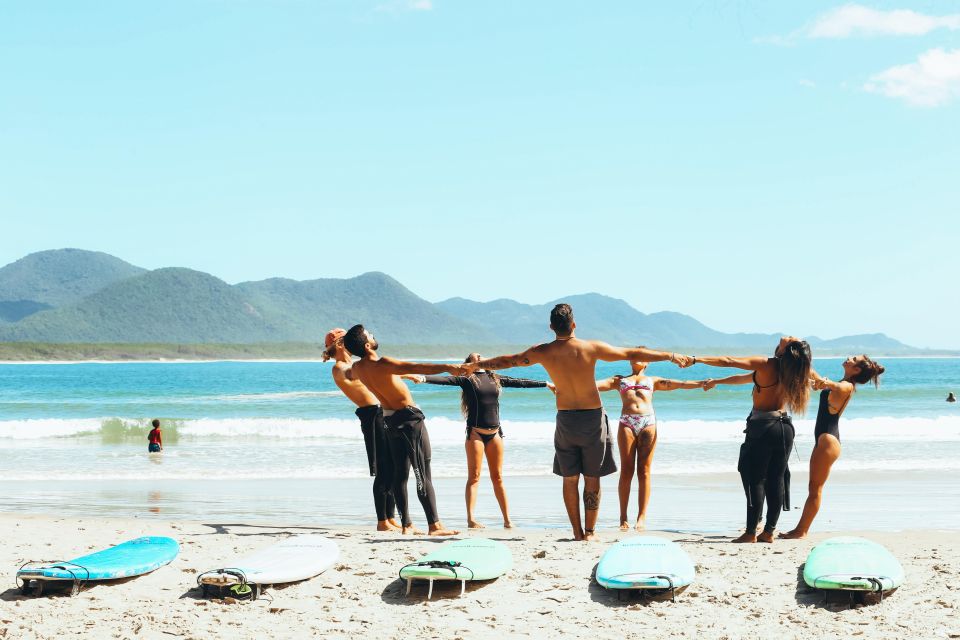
(739, 590)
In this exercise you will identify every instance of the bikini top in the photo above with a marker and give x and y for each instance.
(757, 386)
(643, 384)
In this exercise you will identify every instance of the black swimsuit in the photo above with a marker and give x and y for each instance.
(827, 422)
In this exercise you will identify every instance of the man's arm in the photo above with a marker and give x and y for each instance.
(609, 353)
(400, 367)
(525, 359)
(751, 363)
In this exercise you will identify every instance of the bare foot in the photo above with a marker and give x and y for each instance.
(507, 524)
(393, 523)
(766, 536)
(437, 529)
(624, 525)
(410, 530)
(796, 534)
(383, 525)
(589, 536)
(641, 524)
(747, 537)
(473, 524)
(578, 534)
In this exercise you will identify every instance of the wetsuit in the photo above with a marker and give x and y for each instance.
(379, 460)
(155, 441)
(482, 398)
(409, 446)
(763, 466)
(827, 422)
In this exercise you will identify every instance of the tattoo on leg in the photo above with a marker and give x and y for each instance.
(591, 500)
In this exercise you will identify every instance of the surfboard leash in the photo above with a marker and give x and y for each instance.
(438, 564)
(77, 582)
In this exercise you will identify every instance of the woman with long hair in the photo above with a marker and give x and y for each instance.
(637, 432)
(780, 387)
(480, 405)
(834, 398)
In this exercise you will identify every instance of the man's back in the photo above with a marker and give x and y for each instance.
(571, 363)
(353, 389)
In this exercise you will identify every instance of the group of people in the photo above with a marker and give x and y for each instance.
(397, 440)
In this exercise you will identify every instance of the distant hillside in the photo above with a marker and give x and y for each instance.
(54, 278)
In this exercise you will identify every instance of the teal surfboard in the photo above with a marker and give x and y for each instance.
(645, 562)
(132, 558)
(463, 560)
(852, 564)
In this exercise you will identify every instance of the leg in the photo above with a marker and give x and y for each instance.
(779, 442)
(754, 459)
(382, 467)
(399, 452)
(421, 453)
(571, 500)
(825, 453)
(474, 447)
(627, 444)
(591, 505)
(494, 453)
(647, 443)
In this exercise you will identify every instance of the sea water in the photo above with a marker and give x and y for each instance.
(277, 441)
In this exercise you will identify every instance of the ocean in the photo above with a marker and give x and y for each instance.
(276, 441)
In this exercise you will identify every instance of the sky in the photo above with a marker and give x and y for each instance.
(773, 167)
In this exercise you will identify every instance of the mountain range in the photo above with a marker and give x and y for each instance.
(78, 296)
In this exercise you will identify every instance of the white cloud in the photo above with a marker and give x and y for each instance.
(804, 82)
(420, 5)
(932, 81)
(857, 20)
(406, 5)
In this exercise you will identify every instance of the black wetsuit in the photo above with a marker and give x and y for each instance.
(763, 467)
(410, 447)
(379, 460)
(483, 398)
(827, 422)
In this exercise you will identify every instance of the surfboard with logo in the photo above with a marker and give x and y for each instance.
(645, 563)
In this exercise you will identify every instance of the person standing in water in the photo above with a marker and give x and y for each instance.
(368, 411)
(951, 397)
(780, 384)
(480, 405)
(155, 438)
(834, 398)
(637, 432)
(582, 442)
(404, 427)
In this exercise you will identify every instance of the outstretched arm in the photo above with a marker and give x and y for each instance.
(451, 381)
(666, 384)
(522, 383)
(742, 378)
(400, 367)
(525, 359)
(609, 384)
(609, 353)
(750, 363)
(820, 383)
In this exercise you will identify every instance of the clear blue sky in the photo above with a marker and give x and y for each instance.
(762, 167)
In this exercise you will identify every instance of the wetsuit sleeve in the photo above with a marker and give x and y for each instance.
(450, 381)
(522, 383)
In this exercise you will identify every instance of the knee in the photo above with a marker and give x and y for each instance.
(496, 477)
(473, 478)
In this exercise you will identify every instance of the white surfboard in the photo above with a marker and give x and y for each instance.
(296, 558)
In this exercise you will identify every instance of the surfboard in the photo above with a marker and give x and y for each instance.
(647, 563)
(296, 558)
(132, 558)
(463, 560)
(849, 563)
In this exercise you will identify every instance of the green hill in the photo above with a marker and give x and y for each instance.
(54, 278)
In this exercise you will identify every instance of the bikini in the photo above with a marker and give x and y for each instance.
(637, 422)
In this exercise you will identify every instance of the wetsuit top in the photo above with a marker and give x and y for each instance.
(482, 396)
(827, 422)
(154, 437)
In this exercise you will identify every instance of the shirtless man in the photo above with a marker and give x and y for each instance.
(407, 436)
(583, 442)
(371, 425)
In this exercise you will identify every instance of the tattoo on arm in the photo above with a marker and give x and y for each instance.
(591, 500)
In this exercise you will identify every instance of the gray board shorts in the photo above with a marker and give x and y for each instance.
(583, 444)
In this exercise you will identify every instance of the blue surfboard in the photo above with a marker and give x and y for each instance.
(645, 563)
(132, 558)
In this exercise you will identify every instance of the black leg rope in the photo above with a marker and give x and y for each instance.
(76, 581)
(672, 587)
(230, 571)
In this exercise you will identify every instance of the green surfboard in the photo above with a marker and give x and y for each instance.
(463, 560)
(852, 564)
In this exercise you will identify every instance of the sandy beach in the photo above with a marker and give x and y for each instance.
(739, 592)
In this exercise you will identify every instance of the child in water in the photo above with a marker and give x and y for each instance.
(155, 438)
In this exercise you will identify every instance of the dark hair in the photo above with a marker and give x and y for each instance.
(794, 372)
(869, 372)
(155, 423)
(356, 340)
(561, 319)
(464, 405)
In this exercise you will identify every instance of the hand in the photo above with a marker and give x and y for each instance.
(819, 383)
(552, 387)
(465, 369)
(708, 384)
(681, 361)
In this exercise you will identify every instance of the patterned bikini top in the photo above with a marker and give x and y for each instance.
(643, 384)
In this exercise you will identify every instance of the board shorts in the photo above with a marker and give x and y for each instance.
(153, 447)
(583, 444)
